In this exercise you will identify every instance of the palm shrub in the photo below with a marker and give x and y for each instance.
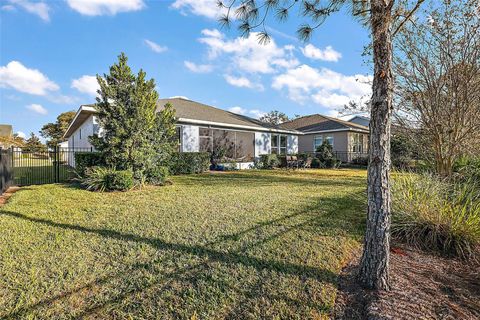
(432, 214)
(107, 179)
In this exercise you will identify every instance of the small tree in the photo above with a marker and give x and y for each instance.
(438, 80)
(274, 117)
(33, 144)
(134, 135)
(54, 132)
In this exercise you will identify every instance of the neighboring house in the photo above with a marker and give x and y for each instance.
(203, 128)
(361, 120)
(349, 140)
(6, 136)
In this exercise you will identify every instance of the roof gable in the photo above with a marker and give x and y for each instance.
(318, 122)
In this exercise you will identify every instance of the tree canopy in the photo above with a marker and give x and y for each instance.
(134, 135)
(54, 131)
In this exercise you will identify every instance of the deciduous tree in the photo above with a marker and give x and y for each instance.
(438, 80)
(54, 131)
(274, 117)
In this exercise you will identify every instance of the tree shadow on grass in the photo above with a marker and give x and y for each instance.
(209, 256)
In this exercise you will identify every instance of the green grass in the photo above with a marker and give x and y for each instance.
(31, 170)
(238, 245)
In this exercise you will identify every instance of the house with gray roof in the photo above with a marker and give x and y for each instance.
(203, 128)
(349, 140)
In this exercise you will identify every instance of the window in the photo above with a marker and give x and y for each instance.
(178, 138)
(80, 133)
(317, 142)
(329, 139)
(279, 144)
(283, 144)
(274, 143)
(357, 142)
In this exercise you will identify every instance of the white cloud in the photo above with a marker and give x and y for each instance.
(242, 82)
(328, 54)
(40, 9)
(181, 97)
(155, 47)
(198, 68)
(8, 7)
(21, 134)
(238, 110)
(253, 113)
(15, 75)
(247, 54)
(62, 99)
(86, 84)
(37, 108)
(105, 7)
(323, 86)
(205, 8)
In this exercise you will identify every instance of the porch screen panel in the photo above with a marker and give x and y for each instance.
(244, 146)
(224, 139)
(205, 140)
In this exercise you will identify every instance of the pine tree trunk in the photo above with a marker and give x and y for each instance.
(374, 263)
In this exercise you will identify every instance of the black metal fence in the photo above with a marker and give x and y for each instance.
(28, 167)
(348, 157)
(6, 170)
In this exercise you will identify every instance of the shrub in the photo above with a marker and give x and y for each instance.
(84, 160)
(361, 161)
(189, 162)
(433, 214)
(324, 153)
(157, 175)
(107, 179)
(269, 161)
(316, 163)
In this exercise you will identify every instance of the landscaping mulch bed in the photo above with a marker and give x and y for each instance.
(424, 286)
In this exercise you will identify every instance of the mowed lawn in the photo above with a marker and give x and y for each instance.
(239, 245)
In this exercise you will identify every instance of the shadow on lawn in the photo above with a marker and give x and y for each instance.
(340, 220)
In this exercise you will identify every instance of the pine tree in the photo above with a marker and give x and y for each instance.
(130, 125)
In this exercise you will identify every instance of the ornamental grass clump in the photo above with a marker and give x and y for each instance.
(432, 214)
(107, 179)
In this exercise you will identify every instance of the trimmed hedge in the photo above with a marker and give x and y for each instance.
(84, 160)
(189, 162)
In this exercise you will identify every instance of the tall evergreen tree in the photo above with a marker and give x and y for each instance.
(132, 131)
(33, 144)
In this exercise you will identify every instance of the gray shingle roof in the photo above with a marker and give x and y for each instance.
(318, 122)
(188, 109)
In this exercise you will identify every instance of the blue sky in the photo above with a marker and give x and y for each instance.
(50, 51)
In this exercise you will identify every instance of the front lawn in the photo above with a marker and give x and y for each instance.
(240, 245)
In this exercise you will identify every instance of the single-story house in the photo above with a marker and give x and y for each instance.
(202, 128)
(349, 140)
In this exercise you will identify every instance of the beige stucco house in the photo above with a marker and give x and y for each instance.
(349, 140)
